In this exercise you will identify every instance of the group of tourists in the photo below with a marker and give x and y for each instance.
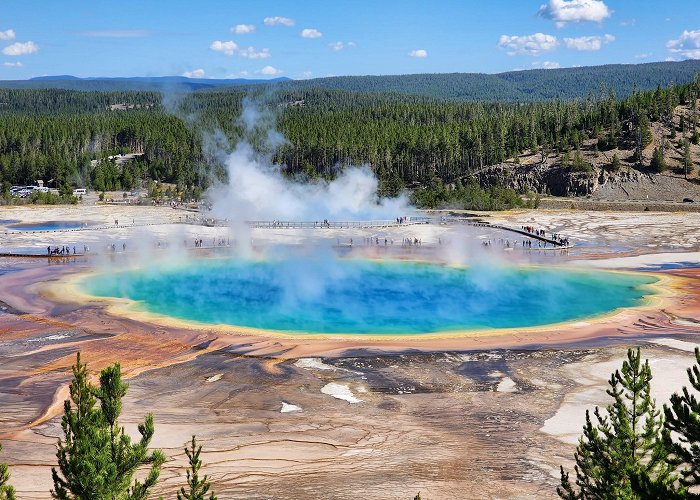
(533, 230)
(376, 241)
(409, 242)
(112, 247)
(564, 242)
(215, 242)
(64, 250)
(501, 242)
(557, 238)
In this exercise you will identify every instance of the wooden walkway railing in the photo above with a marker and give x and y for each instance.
(267, 224)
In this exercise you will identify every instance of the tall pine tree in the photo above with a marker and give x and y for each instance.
(197, 488)
(625, 447)
(7, 492)
(683, 419)
(96, 459)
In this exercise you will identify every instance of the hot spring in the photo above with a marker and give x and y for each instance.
(50, 225)
(369, 297)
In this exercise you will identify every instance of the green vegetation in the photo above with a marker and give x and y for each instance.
(615, 164)
(658, 163)
(197, 488)
(7, 492)
(96, 458)
(633, 451)
(683, 419)
(66, 137)
(687, 160)
(39, 198)
(513, 86)
(625, 443)
(579, 165)
(469, 197)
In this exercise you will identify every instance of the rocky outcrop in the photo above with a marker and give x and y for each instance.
(555, 180)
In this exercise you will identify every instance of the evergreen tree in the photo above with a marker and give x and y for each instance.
(198, 488)
(683, 418)
(615, 165)
(579, 164)
(687, 159)
(624, 449)
(7, 492)
(658, 163)
(97, 459)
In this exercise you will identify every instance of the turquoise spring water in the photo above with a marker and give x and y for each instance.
(49, 225)
(367, 297)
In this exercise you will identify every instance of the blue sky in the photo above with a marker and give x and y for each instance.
(315, 38)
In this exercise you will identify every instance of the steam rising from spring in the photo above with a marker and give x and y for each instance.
(258, 190)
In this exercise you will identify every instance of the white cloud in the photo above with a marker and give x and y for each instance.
(195, 73)
(588, 43)
(644, 55)
(229, 48)
(420, 53)
(270, 71)
(306, 74)
(574, 11)
(628, 22)
(243, 29)
(546, 64)
(338, 46)
(253, 53)
(17, 64)
(278, 20)
(527, 44)
(311, 33)
(7, 35)
(687, 45)
(20, 49)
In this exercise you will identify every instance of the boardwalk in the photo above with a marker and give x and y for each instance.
(552, 242)
(468, 222)
(281, 225)
(362, 224)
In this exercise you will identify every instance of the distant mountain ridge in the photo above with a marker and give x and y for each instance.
(142, 83)
(519, 86)
(512, 86)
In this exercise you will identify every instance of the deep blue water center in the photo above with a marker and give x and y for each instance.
(367, 297)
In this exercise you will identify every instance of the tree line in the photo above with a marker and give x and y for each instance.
(512, 86)
(66, 137)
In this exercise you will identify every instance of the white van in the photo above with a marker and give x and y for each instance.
(79, 192)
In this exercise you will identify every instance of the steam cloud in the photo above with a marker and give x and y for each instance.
(258, 190)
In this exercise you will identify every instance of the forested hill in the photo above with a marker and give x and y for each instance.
(519, 86)
(514, 86)
(158, 83)
(407, 140)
